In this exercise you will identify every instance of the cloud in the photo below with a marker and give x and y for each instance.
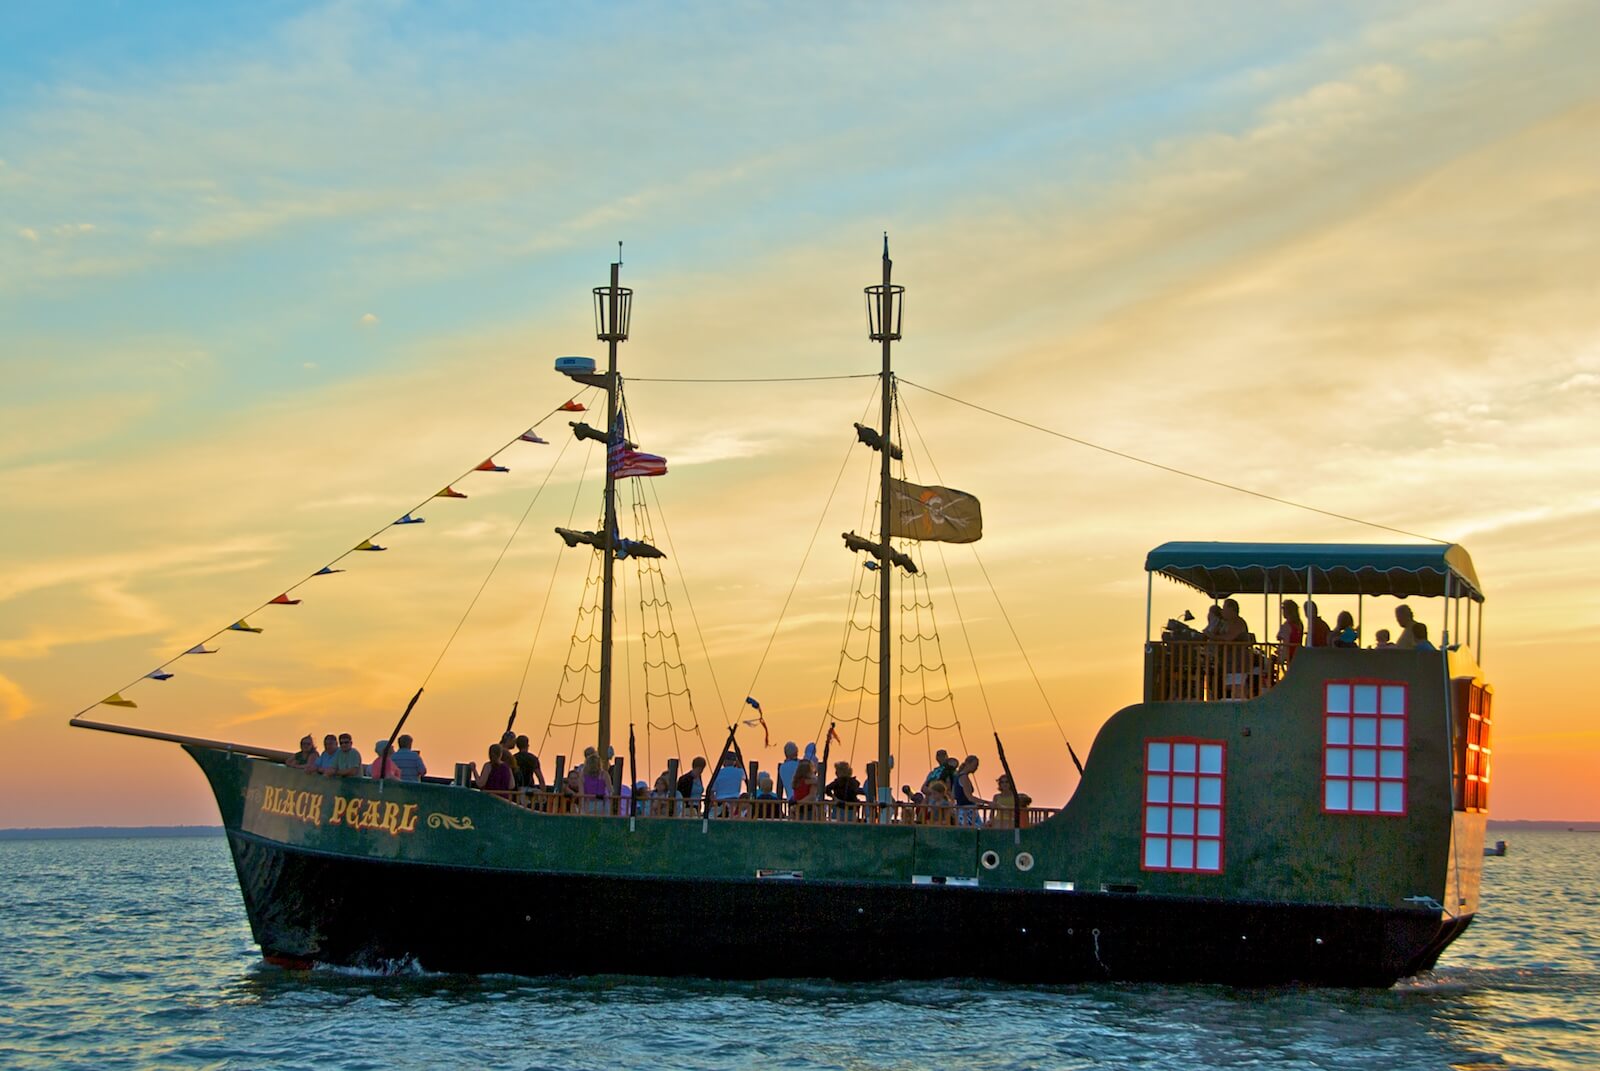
(368, 319)
(14, 703)
(29, 234)
(1579, 381)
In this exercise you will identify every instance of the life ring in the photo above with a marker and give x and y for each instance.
(990, 859)
(1024, 861)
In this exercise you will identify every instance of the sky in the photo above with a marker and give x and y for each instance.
(271, 274)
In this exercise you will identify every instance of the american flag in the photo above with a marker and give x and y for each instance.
(624, 461)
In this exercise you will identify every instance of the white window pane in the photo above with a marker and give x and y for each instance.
(1394, 699)
(1391, 763)
(1336, 796)
(1364, 796)
(1183, 790)
(1211, 758)
(1338, 730)
(1208, 855)
(1364, 763)
(1182, 853)
(1156, 788)
(1209, 823)
(1392, 732)
(1158, 758)
(1338, 699)
(1211, 791)
(1183, 821)
(1391, 797)
(1366, 731)
(1183, 758)
(1366, 699)
(1155, 851)
(1155, 819)
(1338, 763)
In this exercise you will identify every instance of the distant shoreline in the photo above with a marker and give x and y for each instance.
(1514, 825)
(109, 832)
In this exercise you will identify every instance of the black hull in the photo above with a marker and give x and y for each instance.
(308, 906)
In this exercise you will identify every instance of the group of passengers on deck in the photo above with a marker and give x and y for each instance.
(948, 795)
(1225, 624)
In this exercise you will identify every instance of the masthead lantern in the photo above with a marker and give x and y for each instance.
(613, 306)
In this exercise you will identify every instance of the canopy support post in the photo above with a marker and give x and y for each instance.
(1444, 630)
(1149, 593)
(1361, 617)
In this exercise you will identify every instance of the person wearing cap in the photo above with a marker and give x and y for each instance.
(383, 765)
(306, 758)
(347, 760)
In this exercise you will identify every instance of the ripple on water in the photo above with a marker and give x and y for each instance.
(108, 973)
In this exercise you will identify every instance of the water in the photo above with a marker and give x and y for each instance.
(136, 954)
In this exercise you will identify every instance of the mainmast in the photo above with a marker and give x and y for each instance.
(884, 305)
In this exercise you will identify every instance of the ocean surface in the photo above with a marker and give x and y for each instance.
(136, 954)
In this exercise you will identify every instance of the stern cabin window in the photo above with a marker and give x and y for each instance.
(1183, 805)
(1364, 748)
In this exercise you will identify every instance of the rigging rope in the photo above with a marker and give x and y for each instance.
(1175, 471)
(759, 379)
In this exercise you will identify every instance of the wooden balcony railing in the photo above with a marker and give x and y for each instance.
(1206, 671)
(984, 815)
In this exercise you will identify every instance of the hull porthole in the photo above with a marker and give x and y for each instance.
(1024, 861)
(989, 859)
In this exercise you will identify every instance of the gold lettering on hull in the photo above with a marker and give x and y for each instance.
(309, 807)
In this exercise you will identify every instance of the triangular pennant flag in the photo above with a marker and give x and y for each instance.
(449, 492)
(327, 570)
(490, 466)
(201, 648)
(365, 544)
(115, 700)
(159, 675)
(574, 407)
(531, 436)
(284, 600)
(407, 519)
(242, 625)
(833, 735)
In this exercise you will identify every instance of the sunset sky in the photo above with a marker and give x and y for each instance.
(271, 274)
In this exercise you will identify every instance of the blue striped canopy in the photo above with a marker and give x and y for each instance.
(1223, 569)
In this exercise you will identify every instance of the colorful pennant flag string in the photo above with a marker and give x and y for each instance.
(284, 600)
(531, 436)
(448, 492)
(115, 700)
(408, 519)
(761, 720)
(574, 407)
(159, 675)
(242, 625)
(490, 466)
(327, 570)
(834, 736)
(201, 648)
(365, 544)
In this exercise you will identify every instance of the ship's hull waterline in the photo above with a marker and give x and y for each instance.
(309, 907)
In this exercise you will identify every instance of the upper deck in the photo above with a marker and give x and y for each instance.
(1243, 648)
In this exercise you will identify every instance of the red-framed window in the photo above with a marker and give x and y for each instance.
(1183, 809)
(1474, 722)
(1364, 747)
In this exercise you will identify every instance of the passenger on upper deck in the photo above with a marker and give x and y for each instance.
(965, 792)
(1317, 627)
(306, 757)
(525, 765)
(1234, 629)
(938, 773)
(691, 786)
(347, 760)
(1344, 631)
(1420, 641)
(1407, 639)
(1381, 640)
(330, 750)
(595, 782)
(1006, 804)
(844, 787)
(1291, 632)
(383, 765)
(805, 787)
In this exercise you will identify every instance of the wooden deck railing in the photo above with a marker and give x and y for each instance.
(901, 813)
(1206, 671)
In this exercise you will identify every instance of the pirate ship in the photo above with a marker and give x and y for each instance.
(1265, 814)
